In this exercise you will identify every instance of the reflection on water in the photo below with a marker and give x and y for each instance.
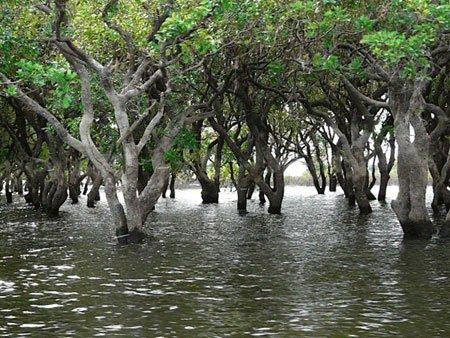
(317, 270)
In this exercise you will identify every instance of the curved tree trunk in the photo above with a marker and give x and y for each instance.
(384, 181)
(276, 199)
(251, 189)
(55, 190)
(410, 208)
(18, 183)
(75, 176)
(94, 194)
(360, 184)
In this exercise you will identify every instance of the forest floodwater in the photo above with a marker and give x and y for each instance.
(318, 270)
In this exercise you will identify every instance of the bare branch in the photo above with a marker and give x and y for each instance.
(361, 51)
(157, 23)
(131, 92)
(361, 96)
(155, 120)
(136, 123)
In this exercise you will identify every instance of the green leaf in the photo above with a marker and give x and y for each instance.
(276, 67)
(66, 101)
(11, 90)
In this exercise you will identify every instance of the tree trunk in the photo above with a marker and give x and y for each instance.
(412, 167)
(94, 194)
(242, 187)
(35, 183)
(19, 184)
(349, 190)
(210, 190)
(116, 209)
(173, 178)
(333, 169)
(360, 184)
(8, 192)
(356, 172)
(384, 181)
(165, 187)
(276, 200)
(320, 188)
(55, 190)
(251, 189)
(75, 177)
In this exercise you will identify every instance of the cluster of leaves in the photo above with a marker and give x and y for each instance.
(58, 80)
(185, 140)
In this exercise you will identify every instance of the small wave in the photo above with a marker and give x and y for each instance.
(6, 287)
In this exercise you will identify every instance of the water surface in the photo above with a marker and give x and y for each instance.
(317, 270)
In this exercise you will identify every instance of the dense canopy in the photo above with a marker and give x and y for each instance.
(132, 94)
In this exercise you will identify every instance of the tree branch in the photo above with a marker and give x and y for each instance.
(361, 96)
(38, 109)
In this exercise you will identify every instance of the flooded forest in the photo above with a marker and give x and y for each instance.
(144, 147)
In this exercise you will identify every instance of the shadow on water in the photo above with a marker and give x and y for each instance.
(318, 270)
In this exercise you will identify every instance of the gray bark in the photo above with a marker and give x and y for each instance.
(406, 104)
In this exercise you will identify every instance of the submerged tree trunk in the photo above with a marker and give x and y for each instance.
(242, 188)
(75, 176)
(55, 190)
(8, 192)
(385, 165)
(210, 190)
(276, 199)
(412, 167)
(359, 179)
(94, 193)
(173, 178)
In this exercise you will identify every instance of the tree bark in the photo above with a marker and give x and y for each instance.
(94, 194)
(406, 105)
(359, 179)
(8, 192)
(55, 190)
(173, 178)
(242, 187)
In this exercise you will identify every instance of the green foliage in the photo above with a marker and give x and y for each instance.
(59, 81)
(363, 23)
(11, 90)
(387, 45)
(329, 63)
(146, 164)
(186, 140)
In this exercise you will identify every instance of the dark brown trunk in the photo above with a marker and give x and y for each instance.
(55, 190)
(210, 191)
(251, 189)
(384, 181)
(165, 187)
(173, 178)
(349, 190)
(276, 200)
(8, 193)
(333, 183)
(94, 194)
